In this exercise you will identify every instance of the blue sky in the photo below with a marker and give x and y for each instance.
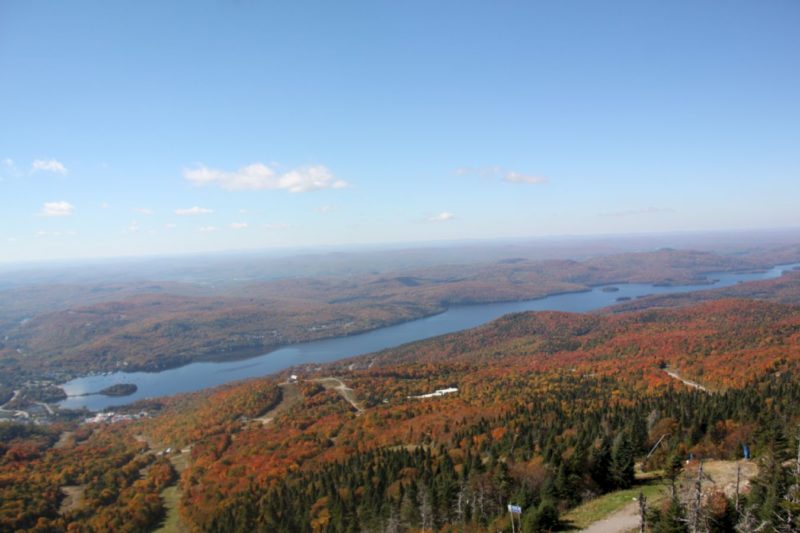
(154, 127)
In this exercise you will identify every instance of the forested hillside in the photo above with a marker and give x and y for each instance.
(785, 289)
(62, 331)
(551, 409)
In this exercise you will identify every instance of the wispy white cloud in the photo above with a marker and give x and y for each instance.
(170, 225)
(57, 209)
(144, 211)
(276, 226)
(516, 177)
(239, 225)
(208, 229)
(498, 172)
(635, 212)
(259, 176)
(133, 227)
(193, 211)
(325, 209)
(44, 233)
(8, 168)
(444, 216)
(484, 172)
(48, 165)
(104, 205)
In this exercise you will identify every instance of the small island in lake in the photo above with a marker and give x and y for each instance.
(120, 389)
(623, 298)
(610, 289)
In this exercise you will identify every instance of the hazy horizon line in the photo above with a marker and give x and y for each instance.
(295, 251)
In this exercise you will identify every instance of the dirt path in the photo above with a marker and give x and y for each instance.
(346, 392)
(621, 521)
(686, 382)
(291, 397)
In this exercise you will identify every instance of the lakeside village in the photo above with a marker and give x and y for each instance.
(36, 402)
(42, 413)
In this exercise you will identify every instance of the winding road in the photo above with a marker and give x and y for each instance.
(346, 392)
(20, 413)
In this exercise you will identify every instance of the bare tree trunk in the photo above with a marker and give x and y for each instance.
(459, 507)
(696, 518)
(738, 477)
(425, 509)
(794, 490)
(642, 512)
(481, 502)
(392, 523)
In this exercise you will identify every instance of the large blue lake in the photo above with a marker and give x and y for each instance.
(198, 376)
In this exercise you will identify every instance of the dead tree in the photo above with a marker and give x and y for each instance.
(738, 477)
(697, 523)
(642, 512)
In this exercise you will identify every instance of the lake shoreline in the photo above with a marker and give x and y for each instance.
(216, 369)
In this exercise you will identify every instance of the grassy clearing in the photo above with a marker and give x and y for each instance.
(599, 508)
(171, 497)
(291, 397)
(172, 523)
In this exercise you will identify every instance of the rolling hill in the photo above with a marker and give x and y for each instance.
(544, 410)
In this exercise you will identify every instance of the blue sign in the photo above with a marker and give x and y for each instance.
(746, 451)
(516, 509)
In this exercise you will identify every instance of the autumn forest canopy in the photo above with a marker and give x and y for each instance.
(549, 411)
